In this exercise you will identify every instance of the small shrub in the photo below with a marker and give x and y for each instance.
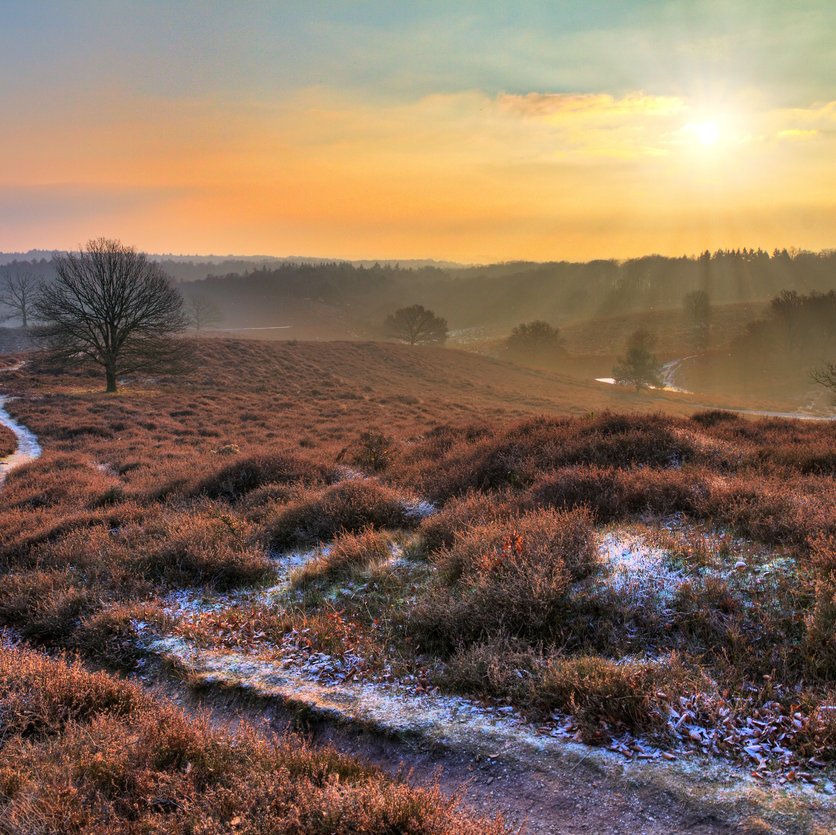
(237, 479)
(499, 668)
(605, 697)
(713, 417)
(349, 506)
(109, 636)
(198, 549)
(439, 530)
(348, 553)
(371, 452)
(45, 605)
(8, 442)
(507, 577)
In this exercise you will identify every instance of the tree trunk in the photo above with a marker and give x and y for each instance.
(25, 321)
(111, 379)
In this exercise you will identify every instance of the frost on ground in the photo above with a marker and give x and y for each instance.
(216, 638)
(639, 573)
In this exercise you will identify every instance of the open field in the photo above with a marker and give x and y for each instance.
(432, 544)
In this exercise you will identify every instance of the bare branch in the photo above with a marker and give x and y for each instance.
(18, 293)
(112, 306)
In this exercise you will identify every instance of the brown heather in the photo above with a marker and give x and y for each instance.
(8, 442)
(84, 752)
(165, 486)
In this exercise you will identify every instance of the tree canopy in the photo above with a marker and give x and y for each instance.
(415, 325)
(537, 339)
(639, 366)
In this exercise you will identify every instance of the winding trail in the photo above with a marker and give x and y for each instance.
(694, 793)
(28, 448)
(669, 371)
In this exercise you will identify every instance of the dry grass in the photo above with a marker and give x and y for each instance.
(506, 577)
(350, 506)
(346, 555)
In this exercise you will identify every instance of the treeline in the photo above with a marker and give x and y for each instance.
(500, 295)
(505, 294)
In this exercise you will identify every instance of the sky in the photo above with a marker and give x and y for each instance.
(469, 131)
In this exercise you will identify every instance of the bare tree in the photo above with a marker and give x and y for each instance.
(18, 293)
(111, 306)
(416, 324)
(202, 312)
(825, 375)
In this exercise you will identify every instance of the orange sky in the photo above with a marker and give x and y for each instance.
(432, 167)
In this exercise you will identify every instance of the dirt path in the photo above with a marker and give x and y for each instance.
(562, 797)
(529, 773)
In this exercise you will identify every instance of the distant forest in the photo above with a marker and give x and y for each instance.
(499, 295)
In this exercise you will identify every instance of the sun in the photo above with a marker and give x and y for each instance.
(707, 133)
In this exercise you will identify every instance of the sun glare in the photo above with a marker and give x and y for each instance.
(707, 133)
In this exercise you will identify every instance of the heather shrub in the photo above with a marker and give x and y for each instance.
(348, 506)
(604, 696)
(45, 605)
(439, 530)
(500, 668)
(601, 489)
(767, 511)
(713, 417)
(86, 752)
(515, 455)
(820, 639)
(347, 554)
(256, 501)
(708, 613)
(236, 479)
(39, 697)
(8, 442)
(371, 451)
(612, 494)
(57, 479)
(199, 549)
(109, 636)
(509, 577)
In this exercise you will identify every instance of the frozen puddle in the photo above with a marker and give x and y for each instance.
(28, 448)
(668, 375)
